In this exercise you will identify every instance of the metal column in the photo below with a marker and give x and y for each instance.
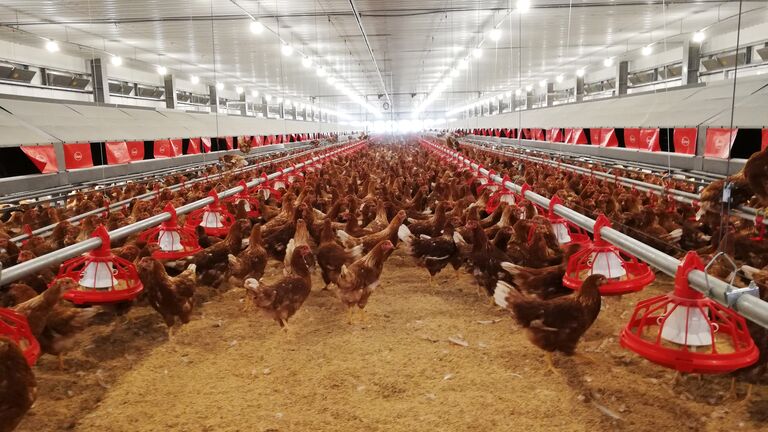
(529, 99)
(214, 95)
(550, 96)
(578, 90)
(244, 106)
(170, 91)
(691, 62)
(99, 77)
(622, 77)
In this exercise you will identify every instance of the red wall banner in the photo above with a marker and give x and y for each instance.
(194, 146)
(44, 157)
(632, 138)
(135, 150)
(205, 142)
(117, 152)
(719, 142)
(257, 141)
(685, 140)
(765, 139)
(649, 140)
(78, 155)
(166, 149)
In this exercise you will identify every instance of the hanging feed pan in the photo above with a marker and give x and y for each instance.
(173, 241)
(15, 327)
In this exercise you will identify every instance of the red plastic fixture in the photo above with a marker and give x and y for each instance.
(625, 273)
(103, 277)
(686, 331)
(251, 201)
(565, 231)
(267, 190)
(174, 241)
(15, 327)
(214, 217)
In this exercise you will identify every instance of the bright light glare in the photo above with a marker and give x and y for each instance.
(194, 79)
(116, 60)
(52, 46)
(219, 86)
(306, 62)
(162, 70)
(608, 62)
(699, 36)
(286, 49)
(495, 34)
(477, 53)
(647, 50)
(256, 27)
(523, 5)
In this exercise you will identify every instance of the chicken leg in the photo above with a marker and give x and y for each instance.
(551, 365)
(363, 315)
(61, 361)
(349, 315)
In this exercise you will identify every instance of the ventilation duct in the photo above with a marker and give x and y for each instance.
(150, 92)
(120, 88)
(67, 80)
(640, 78)
(671, 72)
(14, 73)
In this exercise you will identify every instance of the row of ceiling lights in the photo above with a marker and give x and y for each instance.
(647, 50)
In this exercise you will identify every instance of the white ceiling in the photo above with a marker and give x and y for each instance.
(413, 41)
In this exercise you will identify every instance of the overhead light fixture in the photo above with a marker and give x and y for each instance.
(320, 71)
(288, 102)
(495, 34)
(330, 80)
(559, 78)
(518, 92)
(194, 79)
(116, 60)
(699, 36)
(162, 70)
(477, 53)
(254, 93)
(647, 50)
(528, 88)
(463, 64)
(286, 49)
(268, 98)
(306, 62)
(608, 62)
(219, 86)
(256, 27)
(543, 83)
(52, 46)
(508, 94)
(523, 5)
(454, 72)
(239, 90)
(580, 72)
(279, 99)
(457, 48)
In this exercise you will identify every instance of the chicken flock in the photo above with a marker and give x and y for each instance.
(345, 219)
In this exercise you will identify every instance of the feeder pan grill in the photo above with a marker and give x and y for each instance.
(251, 202)
(103, 277)
(502, 195)
(15, 327)
(266, 190)
(175, 242)
(624, 272)
(565, 231)
(672, 329)
(214, 218)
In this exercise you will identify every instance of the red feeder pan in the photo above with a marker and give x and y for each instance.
(266, 189)
(103, 277)
(624, 272)
(15, 327)
(565, 231)
(686, 331)
(174, 242)
(251, 202)
(214, 217)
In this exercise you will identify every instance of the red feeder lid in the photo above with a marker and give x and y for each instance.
(625, 273)
(175, 242)
(214, 217)
(686, 331)
(103, 277)
(15, 327)
(566, 232)
(251, 202)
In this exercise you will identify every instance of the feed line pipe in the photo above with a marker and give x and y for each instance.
(27, 268)
(743, 212)
(741, 300)
(46, 230)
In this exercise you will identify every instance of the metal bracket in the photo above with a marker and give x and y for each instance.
(733, 273)
(732, 295)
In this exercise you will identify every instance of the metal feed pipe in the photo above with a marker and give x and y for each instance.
(743, 212)
(14, 273)
(749, 306)
(46, 230)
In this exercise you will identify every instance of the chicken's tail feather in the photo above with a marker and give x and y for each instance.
(356, 252)
(500, 294)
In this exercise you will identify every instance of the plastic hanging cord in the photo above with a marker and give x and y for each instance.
(666, 89)
(215, 77)
(725, 206)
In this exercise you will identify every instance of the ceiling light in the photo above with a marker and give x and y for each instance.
(580, 72)
(254, 93)
(286, 49)
(279, 99)
(256, 27)
(560, 78)
(457, 48)
(647, 50)
(116, 60)
(608, 62)
(52, 46)
(288, 102)
(523, 5)
(699, 36)
(463, 64)
(528, 88)
(454, 72)
(330, 79)
(306, 62)
(518, 92)
(508, 94)
(477, 53)
(320, 71)
(267, 97)
(162, 70)
(239, 90)
(219, 86)
(194, 79)
(495, 34)
(543, 83)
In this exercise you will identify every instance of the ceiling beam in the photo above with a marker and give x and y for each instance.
(370, 50)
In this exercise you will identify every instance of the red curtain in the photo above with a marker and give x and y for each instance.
(649, 140)
(166, 149)
(205, 142)
(117, 152)
(194, 146)
(257, 141)
(719, 142)
(685, 140)
(135, 150)
(554, 135)
(632, 138)
(765, 139)
(579, 137)
(229, 142)
(43, 156)
(78, 155)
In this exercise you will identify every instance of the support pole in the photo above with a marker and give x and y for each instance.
(99, 80)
